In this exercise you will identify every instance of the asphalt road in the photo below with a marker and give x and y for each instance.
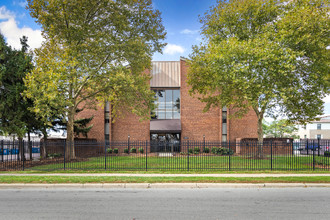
(223, 203)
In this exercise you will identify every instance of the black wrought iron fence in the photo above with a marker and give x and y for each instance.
(181, 156)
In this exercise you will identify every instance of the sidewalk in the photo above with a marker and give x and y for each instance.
(171, 175)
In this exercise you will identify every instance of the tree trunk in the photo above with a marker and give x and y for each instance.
(21, 149)
(43, 146)
(69, 148)
(260, 137)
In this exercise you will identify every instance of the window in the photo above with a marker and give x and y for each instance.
(224, 124)
(318, 136)
(318, 126)
(305, 136)
(168, 104)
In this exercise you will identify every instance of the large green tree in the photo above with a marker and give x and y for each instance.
(15, 118)
(265, 55)
(94, 51)
(279, 129)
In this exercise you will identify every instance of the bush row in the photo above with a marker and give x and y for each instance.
(116, 151)
(196, 150)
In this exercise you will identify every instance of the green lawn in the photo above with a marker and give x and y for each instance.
(194, 163)
(118, 179)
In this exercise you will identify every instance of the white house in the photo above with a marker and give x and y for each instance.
(315, 129)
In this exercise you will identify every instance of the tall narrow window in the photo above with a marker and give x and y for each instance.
(318, 126)
(224, 124)
(168, 104)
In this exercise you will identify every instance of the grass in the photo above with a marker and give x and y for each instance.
(114, 179)
(195, 163)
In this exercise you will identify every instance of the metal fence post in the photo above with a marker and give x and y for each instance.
(146, 155)
(64, 146)
(229, 156)
(313, 156)
(128, 143)
(271, 155)
(188, 155)
(23, 154)
(318, 147)
(105, 156)
(2, 151)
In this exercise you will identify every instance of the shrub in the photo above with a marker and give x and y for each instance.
(141, 150)
(109, 151)
(126, 150)
(207, 150)
(115, 150)
(133, 150)
(197, 150)
(190, 151)
(214, 150)
(327, 153)
(54, 155)
(227, 151)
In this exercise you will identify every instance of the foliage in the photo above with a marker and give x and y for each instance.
(54, 155)
(109, 151)
(115, 150)
(15, 118)
(207, 150)
(94, 51)
(327, 153)
(280, 129)
(133, 150)
(214, 150)
(80, 126)
(269, 56)
(141, 150)
(190, 150)
(126, 150)
(197, 150)
(222, 151)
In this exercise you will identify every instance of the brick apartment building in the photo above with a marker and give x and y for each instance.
(178, 116)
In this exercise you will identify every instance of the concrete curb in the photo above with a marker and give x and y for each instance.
(159, 185)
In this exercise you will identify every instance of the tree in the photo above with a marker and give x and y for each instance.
(94, 51)
(280, 129)
(15, 118)
(80, 126)
(265, 55)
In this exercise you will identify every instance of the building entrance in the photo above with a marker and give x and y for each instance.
(165, 142)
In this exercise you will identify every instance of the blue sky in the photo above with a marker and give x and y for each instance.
(180, 18)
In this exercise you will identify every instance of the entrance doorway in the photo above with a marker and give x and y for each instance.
(165, 142)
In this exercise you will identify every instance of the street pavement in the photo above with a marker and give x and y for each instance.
(221, 203)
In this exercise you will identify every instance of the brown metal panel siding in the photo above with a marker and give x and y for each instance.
(165, 74)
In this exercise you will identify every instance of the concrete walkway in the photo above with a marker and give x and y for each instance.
(157, 185)
(171, 175)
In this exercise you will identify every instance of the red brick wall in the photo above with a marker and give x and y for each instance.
(97, 131)
(194, 122)
(129, 124)
(245, 127)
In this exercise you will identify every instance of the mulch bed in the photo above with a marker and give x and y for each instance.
(18, 165)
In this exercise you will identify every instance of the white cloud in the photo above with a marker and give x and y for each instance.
(173, 49)
(20, 3)
(187, 31)
(13, 33)
(326, 99)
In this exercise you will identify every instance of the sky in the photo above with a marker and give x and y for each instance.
(180, 19)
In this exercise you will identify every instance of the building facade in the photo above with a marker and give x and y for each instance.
(315, 129)
(178, 116)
